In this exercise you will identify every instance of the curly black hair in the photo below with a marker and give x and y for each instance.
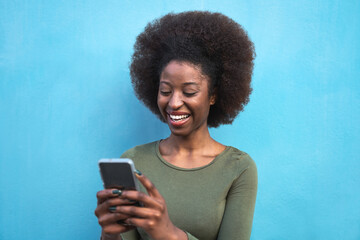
(213, 41)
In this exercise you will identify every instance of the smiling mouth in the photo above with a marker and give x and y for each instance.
(178, 118)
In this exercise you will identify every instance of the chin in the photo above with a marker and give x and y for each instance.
(179, 132)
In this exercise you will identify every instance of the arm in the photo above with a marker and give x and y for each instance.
(240, 204)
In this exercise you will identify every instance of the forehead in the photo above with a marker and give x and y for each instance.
(180, 71)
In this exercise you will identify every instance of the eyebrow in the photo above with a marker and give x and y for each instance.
(190, 83)
(185, 84)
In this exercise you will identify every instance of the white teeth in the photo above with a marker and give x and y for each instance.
(178, 117)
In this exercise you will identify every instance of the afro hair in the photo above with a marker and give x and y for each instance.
(213, 41)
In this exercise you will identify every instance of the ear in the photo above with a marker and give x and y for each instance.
(213, 97)
(212, 100)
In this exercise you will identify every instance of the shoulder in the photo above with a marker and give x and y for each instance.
(240, 158)
(243, 168)
(140, 150)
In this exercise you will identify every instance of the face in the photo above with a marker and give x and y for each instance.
(183, 98)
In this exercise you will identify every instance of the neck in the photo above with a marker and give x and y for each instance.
(198, 140)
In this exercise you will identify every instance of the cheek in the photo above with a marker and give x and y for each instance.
(203, 107)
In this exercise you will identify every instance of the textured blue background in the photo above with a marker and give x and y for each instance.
(66, 101)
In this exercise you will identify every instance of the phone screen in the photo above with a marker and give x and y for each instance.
(117, 175)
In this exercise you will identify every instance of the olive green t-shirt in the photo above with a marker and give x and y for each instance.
(215, 201)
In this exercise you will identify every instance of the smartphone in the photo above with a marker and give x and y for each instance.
(118, 173)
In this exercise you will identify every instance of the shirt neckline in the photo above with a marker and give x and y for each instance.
(157, 150)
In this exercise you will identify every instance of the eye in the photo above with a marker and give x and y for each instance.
(189, 94)
(165, 93)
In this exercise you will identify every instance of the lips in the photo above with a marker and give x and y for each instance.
(178, 118)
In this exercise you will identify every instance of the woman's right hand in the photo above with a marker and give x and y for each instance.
(109, 221)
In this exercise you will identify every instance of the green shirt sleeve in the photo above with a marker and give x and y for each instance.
(190, 237)
(240, 205)
(130, 235)
(133, 235)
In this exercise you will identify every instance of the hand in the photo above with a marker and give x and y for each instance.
(108, 199)
(152, 216)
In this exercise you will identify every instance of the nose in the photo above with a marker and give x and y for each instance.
(175, 101)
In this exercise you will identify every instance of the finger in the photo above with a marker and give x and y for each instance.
(141, 223)
(150, 187)
(139, 212)
(111, 218)
(107, 193)
(111, 202)
(116, 228)
(118, 202)
(143, 198)
(118, 209)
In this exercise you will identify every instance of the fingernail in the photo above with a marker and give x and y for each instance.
(112, 208)
(117, 191)
(138, 172)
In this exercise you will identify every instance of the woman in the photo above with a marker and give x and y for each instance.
(193, 70)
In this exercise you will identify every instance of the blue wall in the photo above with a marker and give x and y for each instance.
(66, 101)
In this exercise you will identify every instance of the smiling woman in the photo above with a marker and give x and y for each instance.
(183, 98)
(193, 70)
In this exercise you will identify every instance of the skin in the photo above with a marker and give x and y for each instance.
(152, 217)
(183, 89)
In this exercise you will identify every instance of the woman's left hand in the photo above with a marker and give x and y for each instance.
(153, 215)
